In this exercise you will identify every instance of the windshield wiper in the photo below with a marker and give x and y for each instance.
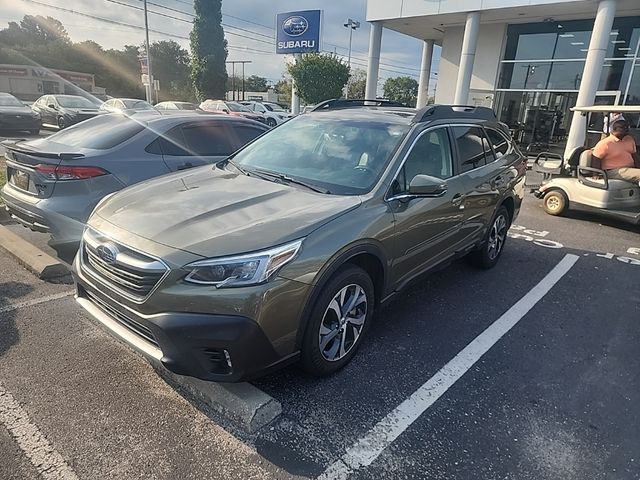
(287, 179)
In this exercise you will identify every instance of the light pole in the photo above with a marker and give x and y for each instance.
(351, 25)
(149, 74)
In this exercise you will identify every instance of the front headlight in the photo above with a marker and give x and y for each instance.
(242, 270)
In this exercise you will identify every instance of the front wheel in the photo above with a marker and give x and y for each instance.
(271, 122)
(489, 253)
(61, 123)
(338, 321)
(555, 203)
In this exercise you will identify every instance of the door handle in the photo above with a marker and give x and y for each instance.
(458, 200)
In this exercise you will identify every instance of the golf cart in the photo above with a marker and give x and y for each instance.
(575, 180)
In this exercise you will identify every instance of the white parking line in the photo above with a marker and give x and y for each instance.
(35, 301)
(44, 458)
(369, 447)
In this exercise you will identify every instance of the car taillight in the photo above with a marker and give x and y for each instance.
(63, 172)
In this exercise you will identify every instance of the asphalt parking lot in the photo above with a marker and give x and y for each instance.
(555, 396)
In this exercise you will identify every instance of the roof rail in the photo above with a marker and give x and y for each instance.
(338, 103)
(438, 112)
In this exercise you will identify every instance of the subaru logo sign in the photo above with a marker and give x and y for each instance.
(107, 252)
(295, 26)
(298, 32)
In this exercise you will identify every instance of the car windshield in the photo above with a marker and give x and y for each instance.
(100, 133)
(75, 102)
(344, 156)
(273, 107)
(137, 104)
(10, 101)
(236, 107)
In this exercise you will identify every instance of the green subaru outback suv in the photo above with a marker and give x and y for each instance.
(283, 252)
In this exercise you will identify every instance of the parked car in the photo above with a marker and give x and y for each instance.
(15, 116)
(283, 251)
(273, 113)
(54, 183)
(230, 108)
(61, 111)
(176, 106)
(125, 105)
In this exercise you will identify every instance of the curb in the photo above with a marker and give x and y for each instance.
(41, 264)
(242, 403)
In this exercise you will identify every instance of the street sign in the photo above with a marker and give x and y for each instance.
(298, 32)
(144, 79)
(156, 85)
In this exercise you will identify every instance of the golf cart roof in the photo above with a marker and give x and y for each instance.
(608, 109)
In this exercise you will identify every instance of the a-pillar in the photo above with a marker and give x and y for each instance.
(467, 56)
(373, 67)
(425, 73)
(591, 74)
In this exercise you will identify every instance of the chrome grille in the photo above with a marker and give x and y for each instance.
(129, 272)
(124, 320)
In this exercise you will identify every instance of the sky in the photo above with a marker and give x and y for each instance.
(249, 29)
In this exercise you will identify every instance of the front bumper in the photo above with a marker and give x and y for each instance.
(211, 347)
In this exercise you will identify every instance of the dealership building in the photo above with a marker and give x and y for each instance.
(530, 60)
(29, 82)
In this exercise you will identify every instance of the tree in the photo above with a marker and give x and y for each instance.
(209, 50)
(356, 87)
(39, 29)
(171, 67)
(401, 89)
(319, 76)
(255, 84)
(283, 89)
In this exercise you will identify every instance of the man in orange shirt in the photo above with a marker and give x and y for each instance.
(617, 154)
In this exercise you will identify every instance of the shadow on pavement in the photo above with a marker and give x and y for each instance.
(9, 334)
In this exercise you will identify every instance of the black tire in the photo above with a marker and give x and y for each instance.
(486, 256)
(271, 122)
(61, 123)
(555, 203)
(35, 132)
(314, 359)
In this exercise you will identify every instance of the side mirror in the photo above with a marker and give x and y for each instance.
(427, 186)
(52, 106)
(225, 110)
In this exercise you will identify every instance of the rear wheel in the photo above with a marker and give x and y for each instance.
(271, 122)
(555, 202)
(489, 253)
(339, 320)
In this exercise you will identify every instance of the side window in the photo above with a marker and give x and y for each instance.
(172, 143)
(244, 134)
(154, 147)
(499, 142)
(489, 156)
(207, 139)
(430, 155)
(471, 145)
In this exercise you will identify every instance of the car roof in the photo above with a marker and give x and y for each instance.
(151, 118)
(394, 115)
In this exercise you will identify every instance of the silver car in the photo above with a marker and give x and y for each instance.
(54, 183)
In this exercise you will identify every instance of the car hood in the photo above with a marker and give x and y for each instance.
(213, 212)
(15, 110)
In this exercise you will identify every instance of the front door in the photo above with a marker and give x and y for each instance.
(427, 229)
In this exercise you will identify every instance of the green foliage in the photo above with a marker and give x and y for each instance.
(401, 89)
(356, 87)
(208, 50)
(255, 83)
(283, 89)
(171, 67)
(319, 77)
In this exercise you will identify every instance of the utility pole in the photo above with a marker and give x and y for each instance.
(351, 25)
(233, 76)
(149, 89)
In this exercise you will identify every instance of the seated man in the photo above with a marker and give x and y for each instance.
(617, 154)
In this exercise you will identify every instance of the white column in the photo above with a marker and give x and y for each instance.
(425, 73)
(373, 68)
(467, 56)
(591, 74)
(295, 99)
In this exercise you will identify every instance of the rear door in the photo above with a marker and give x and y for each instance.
(484, 175)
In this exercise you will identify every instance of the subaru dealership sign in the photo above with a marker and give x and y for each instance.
(298, 32)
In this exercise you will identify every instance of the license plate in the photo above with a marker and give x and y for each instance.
(19, 178)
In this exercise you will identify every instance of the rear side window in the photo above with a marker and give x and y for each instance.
(101, 133)
(207, 139)
(471, 147)
(499, 142)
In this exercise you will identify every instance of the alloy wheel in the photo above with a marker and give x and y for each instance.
(342, 322)
(497, 236)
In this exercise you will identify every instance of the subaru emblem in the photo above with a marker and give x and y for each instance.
(107, 253)
(295, 26)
